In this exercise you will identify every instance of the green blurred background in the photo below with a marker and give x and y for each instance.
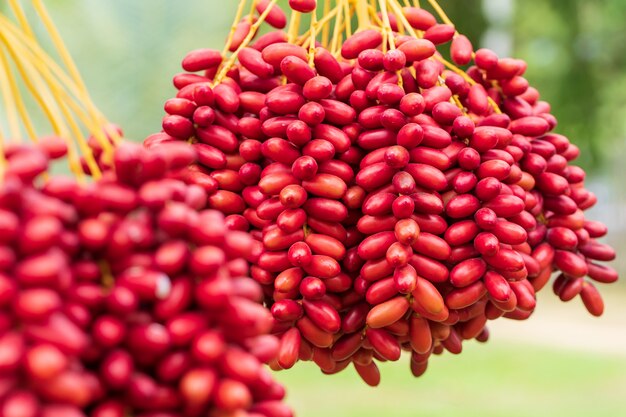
(559, 363)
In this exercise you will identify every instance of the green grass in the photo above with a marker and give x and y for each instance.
(493, 380)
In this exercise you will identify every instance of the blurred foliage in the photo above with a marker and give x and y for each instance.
(129, 50)
(576, 57)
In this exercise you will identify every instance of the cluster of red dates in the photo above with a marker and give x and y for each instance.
(396, 201)
(126, 296)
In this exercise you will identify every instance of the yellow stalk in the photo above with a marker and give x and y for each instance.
(7, 89)
(52, 99)
(231, 60)
(59, 45)
(348, 18)
(61, 48)
(18, 11)
(252, 9)
(325, 28)
(442, 14)
(402, 19)
(15, 51)
(321, 23)
(337, 29)
(374, 16)
(233, 27)
(31, 47)
(66, 102)
(362, 15)
(313, 31)
(47, 100)
(387, 25)
(395, 5)
(46, 66)
(294, 26)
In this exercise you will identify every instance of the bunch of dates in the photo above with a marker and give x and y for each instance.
(396, 201)
(125, 296)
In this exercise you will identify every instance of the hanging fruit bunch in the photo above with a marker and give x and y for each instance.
(398, 200)
(120, 293)
(115, 300)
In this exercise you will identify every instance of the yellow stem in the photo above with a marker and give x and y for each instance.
(494, 105)
(362, 15)
(402, 19)
(440, 12)
(61, 97)
(455, 100)
(39, 90)
(374, 16)
(390, 37)
(233, 27)
(18, 11)
(312, 40)
(65, 101)
(387, 24)
(64, 131)
(337, 51)
(11, 45)
(66, 58)
(107, 276)
(7, 88)
(469, 80)
(322, 23)
(59, 44)
(231, 60)
(30, 47)
(49, 94)
(337, 30)
(35, 49)
(395, 5)
(46, 67)
(413, 72)
(348, 18)
(85, 150)
(294, 26)
(61, 48)
(19, 102)
(326, 28)
(400, 27)
(252, 9)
